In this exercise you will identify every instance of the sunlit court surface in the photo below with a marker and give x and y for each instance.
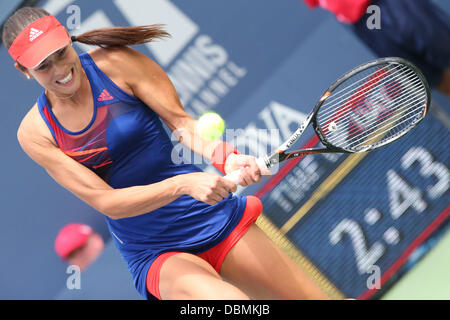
(320, 170)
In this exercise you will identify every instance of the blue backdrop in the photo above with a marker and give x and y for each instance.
(261, 65)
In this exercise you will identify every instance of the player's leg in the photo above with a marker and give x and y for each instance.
(186, 276)
(257, 266)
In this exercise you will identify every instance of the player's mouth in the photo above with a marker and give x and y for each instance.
(67, 80)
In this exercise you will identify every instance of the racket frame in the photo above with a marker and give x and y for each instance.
(280, 153)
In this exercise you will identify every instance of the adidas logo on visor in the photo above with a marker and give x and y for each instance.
(34, 33)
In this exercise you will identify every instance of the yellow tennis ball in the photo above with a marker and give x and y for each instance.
(210, 125)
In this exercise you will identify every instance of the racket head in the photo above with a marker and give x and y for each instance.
(371, 105)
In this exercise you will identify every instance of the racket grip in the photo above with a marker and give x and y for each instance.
(234, 176)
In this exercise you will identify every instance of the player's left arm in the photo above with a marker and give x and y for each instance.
(150, 83)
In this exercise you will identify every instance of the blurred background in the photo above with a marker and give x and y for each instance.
(261, 65)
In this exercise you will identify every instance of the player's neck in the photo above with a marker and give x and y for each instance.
(78, 99)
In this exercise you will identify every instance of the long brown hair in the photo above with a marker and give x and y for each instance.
(103, 37)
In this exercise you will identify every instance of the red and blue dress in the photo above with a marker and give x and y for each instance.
(126, 145)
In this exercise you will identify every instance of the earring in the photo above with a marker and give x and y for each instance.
(28, 77)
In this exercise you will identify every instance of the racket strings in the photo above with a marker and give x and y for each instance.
(375, 117)
(361, 106)
(380, 111)
(388, 131)
(355, 137)
(328, 109)
(367, 120)
(341, 95)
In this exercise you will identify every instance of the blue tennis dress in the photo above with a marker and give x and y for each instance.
(126, 145)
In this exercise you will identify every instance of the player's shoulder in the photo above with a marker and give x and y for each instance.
(33, 126)
(123, 65)
(29, 122)
(122, 58)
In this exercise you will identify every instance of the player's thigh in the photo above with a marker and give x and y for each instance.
(186, 276)
(257, 266)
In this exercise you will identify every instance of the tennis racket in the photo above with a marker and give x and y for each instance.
(369, 107)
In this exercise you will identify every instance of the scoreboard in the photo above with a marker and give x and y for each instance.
(352, 221)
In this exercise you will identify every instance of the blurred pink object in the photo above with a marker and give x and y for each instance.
(346, 11)
(79, 244)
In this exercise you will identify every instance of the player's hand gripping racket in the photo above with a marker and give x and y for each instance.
(368, 107)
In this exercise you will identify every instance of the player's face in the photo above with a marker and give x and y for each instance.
(60, 73)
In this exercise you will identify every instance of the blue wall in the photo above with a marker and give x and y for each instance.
(279, 53)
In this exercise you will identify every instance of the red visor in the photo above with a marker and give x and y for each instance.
(37, 41)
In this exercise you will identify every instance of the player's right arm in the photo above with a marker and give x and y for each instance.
(36, 141)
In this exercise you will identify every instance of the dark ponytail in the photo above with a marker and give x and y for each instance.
(103, 37)
(121, 36)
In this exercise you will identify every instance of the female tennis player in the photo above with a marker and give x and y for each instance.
(97, 130)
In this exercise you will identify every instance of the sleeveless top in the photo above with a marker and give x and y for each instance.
(126, 145)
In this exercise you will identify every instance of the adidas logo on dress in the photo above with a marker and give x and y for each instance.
(104, 96)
